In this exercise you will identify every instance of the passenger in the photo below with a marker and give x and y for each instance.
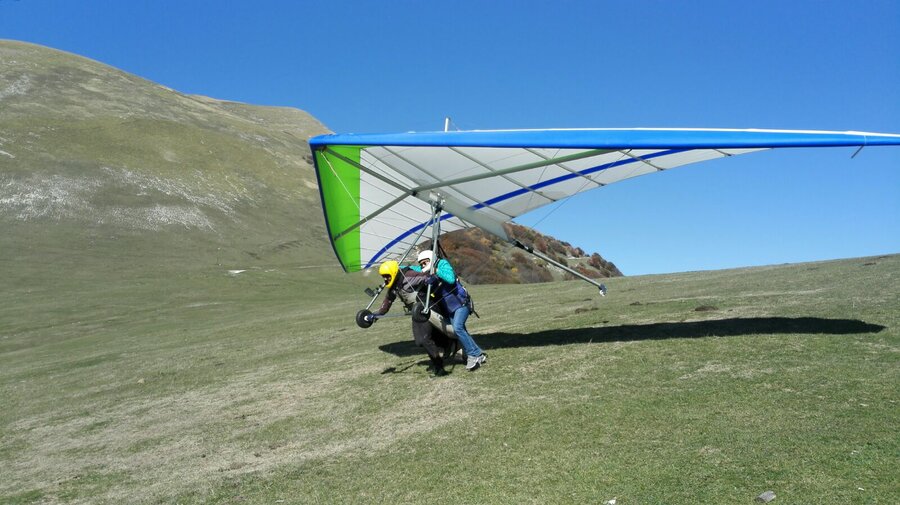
(454, 302)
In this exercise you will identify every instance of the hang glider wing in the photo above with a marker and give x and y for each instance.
(375, 188)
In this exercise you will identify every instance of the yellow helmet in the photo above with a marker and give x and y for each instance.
(389, 268)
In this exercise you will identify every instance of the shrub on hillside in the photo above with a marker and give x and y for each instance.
(589, 272)
(479, 257)
(529, 271)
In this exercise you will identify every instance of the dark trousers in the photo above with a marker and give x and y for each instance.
(422, 334)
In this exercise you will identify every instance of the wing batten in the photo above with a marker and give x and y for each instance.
(369, 217)
(359, 165)
(564, 166)
(480, 204)
(510, 170)
(397, 240)
(520, 192)
(433, 176)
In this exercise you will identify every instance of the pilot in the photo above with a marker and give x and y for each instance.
(407, 286)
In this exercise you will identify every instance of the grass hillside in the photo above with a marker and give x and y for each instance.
(709, 387)
(175, 329)
(96, 163)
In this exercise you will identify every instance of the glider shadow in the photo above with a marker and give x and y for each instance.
(659, 331)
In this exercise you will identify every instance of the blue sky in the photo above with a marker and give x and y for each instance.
(394, 66)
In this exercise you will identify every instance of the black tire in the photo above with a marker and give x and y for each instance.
(363, 319)
(418, 313)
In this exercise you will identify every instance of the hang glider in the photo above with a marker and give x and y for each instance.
(381, 191)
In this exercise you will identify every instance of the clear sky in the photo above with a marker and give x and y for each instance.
(395, 66)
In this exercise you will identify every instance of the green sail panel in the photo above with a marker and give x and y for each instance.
(339, 186)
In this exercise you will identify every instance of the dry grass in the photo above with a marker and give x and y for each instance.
(243, 391)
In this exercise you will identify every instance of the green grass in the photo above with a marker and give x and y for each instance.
(204, 387)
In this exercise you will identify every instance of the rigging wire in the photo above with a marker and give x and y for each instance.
(435, 216)
(333, 171)
(559, 204)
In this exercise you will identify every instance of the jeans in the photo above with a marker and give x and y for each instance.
(459, 326)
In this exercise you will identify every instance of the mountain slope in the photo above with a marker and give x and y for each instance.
(91, 154)
(100, 167)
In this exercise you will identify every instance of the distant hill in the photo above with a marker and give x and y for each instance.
(98, 163)
(482, 259)
(103, 169)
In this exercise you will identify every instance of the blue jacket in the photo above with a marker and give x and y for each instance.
(450, 293)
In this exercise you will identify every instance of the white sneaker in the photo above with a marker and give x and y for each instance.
(473, 362)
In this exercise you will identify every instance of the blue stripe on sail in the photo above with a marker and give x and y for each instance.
(400, 237)
(573, 175)
(522, 191)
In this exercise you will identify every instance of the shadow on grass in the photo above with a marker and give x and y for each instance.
(658, 331)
